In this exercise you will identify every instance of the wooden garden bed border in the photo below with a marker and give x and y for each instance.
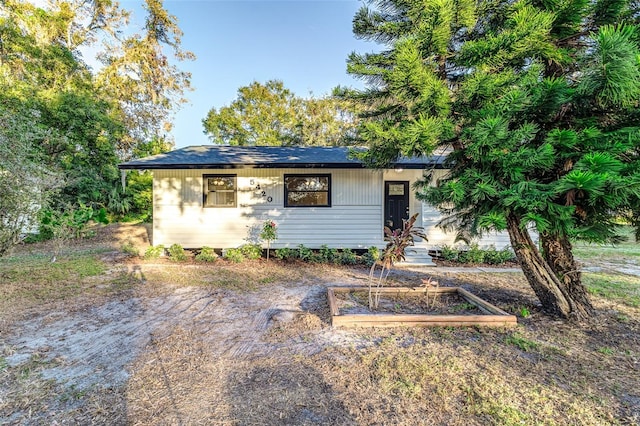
(495, 317)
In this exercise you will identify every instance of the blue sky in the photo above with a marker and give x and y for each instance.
(303, 43)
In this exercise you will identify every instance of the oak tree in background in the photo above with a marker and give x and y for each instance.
(262, 114)
(83, 122)
(43, 74)
(537, 102)
(270, 114)
(138, 80)
(139, 76)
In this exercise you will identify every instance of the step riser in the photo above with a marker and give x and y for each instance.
(417, 256)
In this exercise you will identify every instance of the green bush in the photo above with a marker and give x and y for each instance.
(507, 255)
(328, 255)
(206, 255)
(498, 257)
(34, 238)
(462, 257)
(316, 257)
(72, 222)
(285, 253)
(251, 251)
(472, 255)
(177, 253)
(304, 253)
(449, 253)
(348, 257)
(371, 256)
(475, 254)
(233, 255)
(492, 256)
(154, 252)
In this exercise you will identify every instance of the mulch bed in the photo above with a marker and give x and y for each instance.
(357, 302)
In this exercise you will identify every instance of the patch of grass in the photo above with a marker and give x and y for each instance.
(267, 280)
(521, 343)
(39, 268)
(622, 318)
(24, 392)
(455, 381)
(607, 252)
(399, 374)
(620, 288)
(500, 411)
(125, 281)
(73, 394)
(34, 365)
(130, 249)
(247, 276)
(82, 267)
(36, 278)
(605, 350)
(617, 253)
(464, 306)
(550, 350)
(230, 279)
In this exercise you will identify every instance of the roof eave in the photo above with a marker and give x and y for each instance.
(127, 166)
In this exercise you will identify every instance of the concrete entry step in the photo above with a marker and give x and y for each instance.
(417, 256)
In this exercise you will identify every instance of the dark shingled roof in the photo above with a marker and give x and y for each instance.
(233, 157)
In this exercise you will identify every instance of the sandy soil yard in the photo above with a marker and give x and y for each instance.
(102, 338)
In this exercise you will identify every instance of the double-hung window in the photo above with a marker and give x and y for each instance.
(220, 190)
(309, 190)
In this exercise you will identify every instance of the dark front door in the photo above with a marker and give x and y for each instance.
(396, 203)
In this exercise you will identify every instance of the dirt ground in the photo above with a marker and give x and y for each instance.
(156, 342)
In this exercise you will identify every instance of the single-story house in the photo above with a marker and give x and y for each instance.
(220, 196)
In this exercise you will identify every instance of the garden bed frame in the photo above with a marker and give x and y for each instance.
(495, 317)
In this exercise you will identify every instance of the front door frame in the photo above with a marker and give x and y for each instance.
(391, 207)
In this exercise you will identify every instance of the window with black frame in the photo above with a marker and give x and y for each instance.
(220, 190)
(307, 190)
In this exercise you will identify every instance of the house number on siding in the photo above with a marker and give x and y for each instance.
(259, 188)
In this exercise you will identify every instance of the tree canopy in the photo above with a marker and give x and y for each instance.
(537, 102)
(270, 114)
(82, 122)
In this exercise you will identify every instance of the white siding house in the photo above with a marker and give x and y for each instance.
(220, 196)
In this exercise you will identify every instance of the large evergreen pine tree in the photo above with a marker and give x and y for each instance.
(538, 102)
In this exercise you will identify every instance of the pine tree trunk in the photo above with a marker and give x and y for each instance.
(557, 251)
(542, 278)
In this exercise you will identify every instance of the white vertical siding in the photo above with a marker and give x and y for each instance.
(354, 220)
